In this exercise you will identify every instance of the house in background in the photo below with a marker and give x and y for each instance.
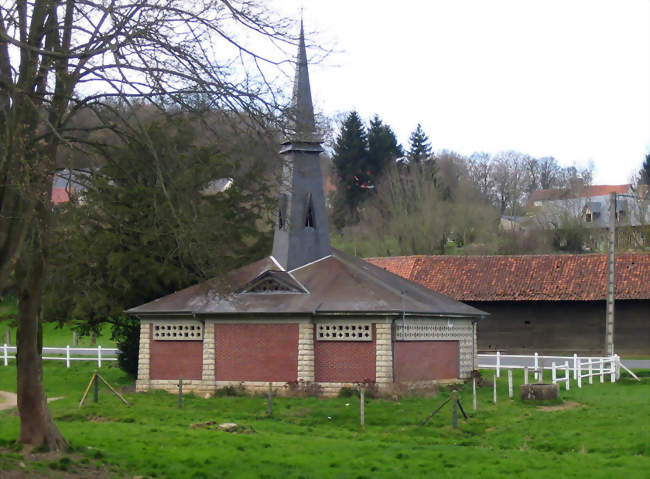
(67, 183)
(541, 303)
(308, 315)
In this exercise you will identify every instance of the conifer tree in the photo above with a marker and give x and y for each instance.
(383, 148)
(419, 146)
(644, 174)
(350, 160)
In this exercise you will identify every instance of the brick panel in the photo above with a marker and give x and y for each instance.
(345, 361)
(176, 359)
(426, 360)
(256, 352)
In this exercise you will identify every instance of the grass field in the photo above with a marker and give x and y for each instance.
(605, 435)
(53, 334)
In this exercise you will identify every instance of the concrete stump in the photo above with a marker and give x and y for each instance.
(539, 392)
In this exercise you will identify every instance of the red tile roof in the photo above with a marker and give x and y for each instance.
(524, 278)
(588, 192)
(59, 195)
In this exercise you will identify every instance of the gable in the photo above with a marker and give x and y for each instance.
(272, 282)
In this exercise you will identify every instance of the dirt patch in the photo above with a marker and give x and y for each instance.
(8, 400)
(560, 407)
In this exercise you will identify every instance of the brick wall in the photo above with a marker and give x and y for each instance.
(256, 352)
(176, 359)
(426, 360)
(345, 361)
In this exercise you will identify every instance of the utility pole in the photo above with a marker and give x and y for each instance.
(611, 278)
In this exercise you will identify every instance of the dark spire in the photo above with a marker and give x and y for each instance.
(302, 124)
(301, 231)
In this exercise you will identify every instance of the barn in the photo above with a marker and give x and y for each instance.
(307, 316)
(542, 303)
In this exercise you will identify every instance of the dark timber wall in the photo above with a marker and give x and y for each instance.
(562, 326)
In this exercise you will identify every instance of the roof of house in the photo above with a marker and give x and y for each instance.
(587, 192)
(524, 278)
(337, 284)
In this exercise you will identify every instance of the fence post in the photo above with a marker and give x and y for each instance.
(567, 375)
(536, 373)
(454, 414)
(602, 370)
(553, 373)
(541, 370)
(618, 366)
(6, 355)
(612, 364)
(525, 374)
(95, 387)
(474, 392)
(591, 371)
(498, 364)
(99, 356)
(510, 394)
(575, 366)
(67, 356)
(494, 392)
(579, 369)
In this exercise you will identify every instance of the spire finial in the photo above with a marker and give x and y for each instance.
(302, 109)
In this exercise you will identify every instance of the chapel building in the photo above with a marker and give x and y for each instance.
(307, 315)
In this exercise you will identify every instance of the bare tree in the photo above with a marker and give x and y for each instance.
(58, 58)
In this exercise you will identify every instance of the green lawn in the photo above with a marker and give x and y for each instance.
(606, 435)
(53, 334)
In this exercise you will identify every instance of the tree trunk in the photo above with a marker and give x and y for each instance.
(37, 429)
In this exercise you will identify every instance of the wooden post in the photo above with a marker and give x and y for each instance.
(99, 356)
(575, 366)
(95, 388)
(540, 378)
(553, 373)
(362, 407)
(498, 364)
(474, 393)
(510, 393)
(6, 355)
(591, 371)
(494, 389)
(567, 375)
(579, 373)
(602, 370)
(454, 414)
(612, 364)
(180, 393)
(269, 400)
(525, 374)
(536, 373)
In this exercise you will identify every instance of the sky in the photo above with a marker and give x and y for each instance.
(568, 79)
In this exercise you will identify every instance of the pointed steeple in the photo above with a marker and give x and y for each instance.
(301, 122)
(301, 231)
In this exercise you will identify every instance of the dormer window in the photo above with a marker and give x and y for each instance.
(309, 216)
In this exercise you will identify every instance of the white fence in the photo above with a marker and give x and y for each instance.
(561, 367)
(67, 354)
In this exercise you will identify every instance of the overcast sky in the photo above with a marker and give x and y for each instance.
(569, 79)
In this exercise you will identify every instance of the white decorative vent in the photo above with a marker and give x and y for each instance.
(344, 331)
(178, 330)
(432, 329)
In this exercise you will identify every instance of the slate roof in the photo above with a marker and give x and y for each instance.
(336, 284)
(524, 278)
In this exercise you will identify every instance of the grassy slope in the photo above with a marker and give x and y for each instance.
(607, 437)
(53, 335)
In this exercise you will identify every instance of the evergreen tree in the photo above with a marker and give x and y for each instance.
(147, 228)
(644, 174)
(383, 148)
(350, 160)
(419, 146)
